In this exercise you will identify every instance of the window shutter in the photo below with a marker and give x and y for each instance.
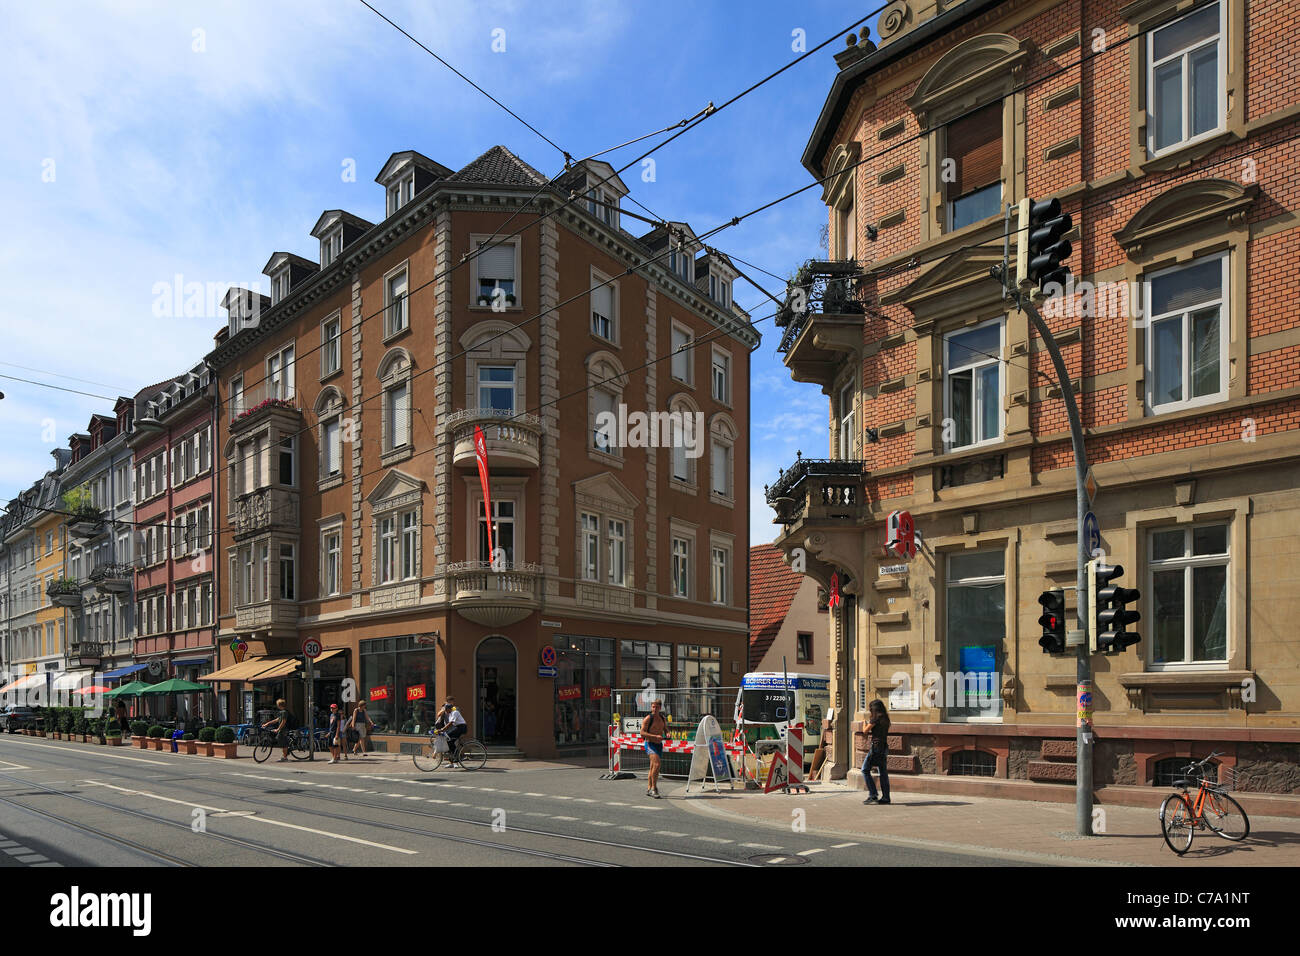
(974, 143)
(497, 262)
(602, 301)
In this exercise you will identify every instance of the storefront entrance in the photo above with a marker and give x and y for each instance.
(976, 629)
(496, 670)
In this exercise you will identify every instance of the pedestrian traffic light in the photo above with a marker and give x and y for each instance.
(1040, 250)
(1052, 621)
(1109, 611)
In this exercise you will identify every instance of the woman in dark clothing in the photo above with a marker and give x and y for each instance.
(877, 751)
(119, 713)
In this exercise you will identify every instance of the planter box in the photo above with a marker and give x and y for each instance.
(40, 733)
(55, 736)
(229, 751)
(113, 741)
(155, 743)
(140, 742)
(205, 748)
(188, 746)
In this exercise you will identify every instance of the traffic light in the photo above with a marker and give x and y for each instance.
(1052, 621)
(1109, 611)
(1040, 250)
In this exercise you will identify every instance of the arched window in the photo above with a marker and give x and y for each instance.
(722, 458)
(395, 408)
(686, 447)
(330, 435)
(605, 383)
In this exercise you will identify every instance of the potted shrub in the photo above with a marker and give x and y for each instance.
(113, 737)
(138, 731)
(484, 301)
(224, 743)
(156, 737)
(81, 727)
(85, 518)
(188, 744)
(206, 736)
(510, 301)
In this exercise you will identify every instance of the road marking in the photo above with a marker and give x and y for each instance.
(760, 846)
(777, 859)
(489, 789)
(671, 833)
(530, 794)
(809, 852)
(637, 829)
(16, 850)
(841, 846)
(416, 797)
(31, 858)
(564, 818)
(433, 800)
(5, 843)
(584, 800)
(713, 839)
(615, 803)
(556, 796)
(14, 766)
(509, 791)
(96, 753)
(599, 823)
(532, 813)
(259, 819)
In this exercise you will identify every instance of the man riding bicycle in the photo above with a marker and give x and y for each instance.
(453, 723)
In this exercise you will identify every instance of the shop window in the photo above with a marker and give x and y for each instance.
(975, 606)
(397, 683)
(583, 689)
(699, 670)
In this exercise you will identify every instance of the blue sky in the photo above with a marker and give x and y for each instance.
(150, 140)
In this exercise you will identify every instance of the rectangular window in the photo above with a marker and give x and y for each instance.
(330, 335)
(1184, 79)
(410, 544)
(971, 170)
(848, 423)
(721, 476)
(681, 568)
(602, 405)
(1187, 336)
(681, 341)
(616, 566)
(1188, 570)
(722, 377)
(288, 578)
(973, 384)
(496, 388)
(330, 438)
(503, 530)
(280, 374)
(803, 648)
(496, 275)
(387, 550)
(205, 604)
(237, 396)
(399, 415)
(681, 464)
(699, 668)
(396, 317)
(976, 628)
(590, 547)
(333, 553)
(286, 461)
(264, 571)
(721, 594)
(602, 311)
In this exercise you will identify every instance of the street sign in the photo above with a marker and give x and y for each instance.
(1091, 533)
(311, 648)
(548, 672)
(1090, 486)
(548, 656)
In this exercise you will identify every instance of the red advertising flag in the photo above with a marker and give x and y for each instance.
(480, 453)
(834, 599)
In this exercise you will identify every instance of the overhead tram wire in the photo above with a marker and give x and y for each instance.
(60, 388)
(702, 116)
(71, 378)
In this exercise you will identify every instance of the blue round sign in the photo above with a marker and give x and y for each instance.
(1091, 533)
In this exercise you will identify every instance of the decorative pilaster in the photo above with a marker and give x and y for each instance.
(442, 471)
(356, 416)
(549, 395)
(652, 453)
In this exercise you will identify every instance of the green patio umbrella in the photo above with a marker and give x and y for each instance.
(128, 690)
(174, 686)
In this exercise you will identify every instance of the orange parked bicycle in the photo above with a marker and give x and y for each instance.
(1210, 809)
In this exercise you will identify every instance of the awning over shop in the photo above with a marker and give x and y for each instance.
(281, 670)
(332, 652)
(248, 670)
(192, 662)
(23, 682)
(123, 671)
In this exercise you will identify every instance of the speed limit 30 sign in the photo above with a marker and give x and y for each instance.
(311, 648)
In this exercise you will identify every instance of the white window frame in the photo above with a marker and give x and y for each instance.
(397, 311)
(1223, 304)
(720, 574)
(616, 551)
(611, 333)
(280, 285)
(331, 560)
(720, 369)
(680, 566)
(331, 247)
(409, 545)
(389, 541)
(280, 381)
(848, 421)
(1187, 563)
(590, 524)
(476, 243)
(1219, 42)
(684, 350)
(331, 352)
(399, 434)
(977, 363)
(480, 385)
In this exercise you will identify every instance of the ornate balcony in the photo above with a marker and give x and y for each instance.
(86, 523)
(513, 441)
(276, 615)
(823, 320)
(267, 509)
(112, 578)
(819, 491)
(85, 654)
(494, 598)
(270, 400)
(65, 592)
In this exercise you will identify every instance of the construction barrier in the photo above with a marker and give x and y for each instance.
(786, 772)
(633, 744)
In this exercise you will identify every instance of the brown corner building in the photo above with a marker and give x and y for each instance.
(1167, 131)
(350, 507)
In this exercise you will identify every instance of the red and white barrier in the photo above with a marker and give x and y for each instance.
(786, 772)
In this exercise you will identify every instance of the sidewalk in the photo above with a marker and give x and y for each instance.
(1036, 832)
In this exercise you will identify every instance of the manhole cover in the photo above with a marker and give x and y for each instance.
(777, 859)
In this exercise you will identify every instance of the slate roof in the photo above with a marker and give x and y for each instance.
(498, 166)
(772, 589)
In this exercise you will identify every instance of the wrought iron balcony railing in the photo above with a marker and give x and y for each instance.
(830, 487)
(820, 287)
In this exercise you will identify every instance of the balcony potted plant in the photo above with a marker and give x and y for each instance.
(484, 301)
(156, 737)
(188, 744)
(206, 736)
(138, 731)
(84, 518)
(224, 743)
(64, 592)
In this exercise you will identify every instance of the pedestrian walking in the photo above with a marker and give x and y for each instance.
(119, 714)
(359, 727)
(654, 729)
(877, 752)
(336, 733)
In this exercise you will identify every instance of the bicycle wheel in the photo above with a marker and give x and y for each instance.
(262, 750)
(1176, 823)
(1225, 817)
(298, 747)
(473, 755)
(426, 758)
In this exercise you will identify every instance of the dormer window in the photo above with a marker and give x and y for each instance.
(279, 285)
(331, 247)
(400, 192)
(603, 204)
(720, 290)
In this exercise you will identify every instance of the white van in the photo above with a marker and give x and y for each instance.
(766, 697)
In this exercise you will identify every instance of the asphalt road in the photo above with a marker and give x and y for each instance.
(64, 804)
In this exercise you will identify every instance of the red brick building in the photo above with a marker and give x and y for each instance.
(1167, 131)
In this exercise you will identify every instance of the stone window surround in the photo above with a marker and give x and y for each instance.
(725, 542)
(689, 381)
(409, 498)
(614, 381)
(1143, 15)
(390, 335)
(1189, 221)
(974, 73)
(474, 240)
(839, 192)
(731, 375)
(505, 345)
(335, 316)
(942, 375)
(678, 528)
(502, 488)
(719, 426)
(395, 368)
(684, 403)
(847, 378)
(604, 508)
(599, 278)
(334, 524)
(330, 405)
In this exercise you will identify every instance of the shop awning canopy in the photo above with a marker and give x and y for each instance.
(192, 662)
(128, 690)
(246, 670)
(285, 667)
(174, 686)
(123, 671)
(23, 682)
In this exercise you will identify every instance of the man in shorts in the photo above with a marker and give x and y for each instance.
(654, 729)
(281, 723)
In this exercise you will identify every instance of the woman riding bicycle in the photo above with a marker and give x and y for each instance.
(453, 722)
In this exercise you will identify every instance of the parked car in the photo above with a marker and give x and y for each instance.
(14, 718)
